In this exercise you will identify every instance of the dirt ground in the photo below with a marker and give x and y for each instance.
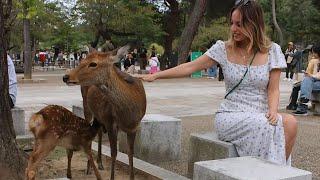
(55, 166)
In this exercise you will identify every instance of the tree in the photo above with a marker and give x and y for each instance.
(11, 158)
(190, 30)
(120, 20)
(274, 18)
(171, 20)
(29, 10)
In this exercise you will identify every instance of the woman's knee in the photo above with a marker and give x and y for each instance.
(290, 124)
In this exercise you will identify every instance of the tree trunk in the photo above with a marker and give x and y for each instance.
(171, 22)
(190, 30)
(27, 49)
(12, 162)
(274, 18)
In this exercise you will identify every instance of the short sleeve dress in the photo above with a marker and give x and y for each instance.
(240, 118)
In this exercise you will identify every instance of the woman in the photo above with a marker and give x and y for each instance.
(248, 116)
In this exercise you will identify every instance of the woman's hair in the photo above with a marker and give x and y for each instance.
(316, 49)
(253, 26)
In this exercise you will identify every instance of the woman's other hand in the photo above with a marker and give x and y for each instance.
(272, 118)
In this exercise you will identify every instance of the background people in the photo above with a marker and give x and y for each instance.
(310, 82)
(13, 85)
(289, 55)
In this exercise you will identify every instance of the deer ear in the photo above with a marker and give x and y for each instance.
(121, 52)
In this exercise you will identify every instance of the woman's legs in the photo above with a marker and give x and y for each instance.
(290, 132)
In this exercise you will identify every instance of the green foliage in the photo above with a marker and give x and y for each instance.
(122, 17)
(299, 20)
(216, 30)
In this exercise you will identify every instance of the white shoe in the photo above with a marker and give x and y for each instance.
(285, 79)
(290, 80)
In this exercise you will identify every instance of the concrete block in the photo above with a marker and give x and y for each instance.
(18, 118)
(158, 139)
(78, 110)
(207, 146)
(315, 98)
(247, 168)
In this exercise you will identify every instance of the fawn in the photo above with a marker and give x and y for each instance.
(56, 126)
(123, 103)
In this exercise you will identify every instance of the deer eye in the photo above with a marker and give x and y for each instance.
(93, 64)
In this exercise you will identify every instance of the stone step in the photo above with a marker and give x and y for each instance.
(247, 168)
(207, 146)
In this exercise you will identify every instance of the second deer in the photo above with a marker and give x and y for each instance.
(56, 126)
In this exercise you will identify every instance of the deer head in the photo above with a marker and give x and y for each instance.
(96, 69)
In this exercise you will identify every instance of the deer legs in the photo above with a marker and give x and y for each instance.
(69, 154)
(40, 150)
(130, 141)
(112, 134)
(88, 151)
(99, 161)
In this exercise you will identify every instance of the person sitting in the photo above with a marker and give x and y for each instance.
(13, 87)
(311, 70)
(310, 82)
(129, 64)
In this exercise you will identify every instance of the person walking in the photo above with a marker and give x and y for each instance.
(248, 116)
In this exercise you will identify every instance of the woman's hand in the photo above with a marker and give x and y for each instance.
(272, 118)
(146, 77)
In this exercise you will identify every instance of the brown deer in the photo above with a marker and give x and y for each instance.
(123, 104)
(56, 126)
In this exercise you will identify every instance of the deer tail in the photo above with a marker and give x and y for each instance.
(35, 123)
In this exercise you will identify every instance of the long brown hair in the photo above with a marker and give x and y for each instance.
(253, 26)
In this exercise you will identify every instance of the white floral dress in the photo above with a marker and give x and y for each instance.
(241, 117)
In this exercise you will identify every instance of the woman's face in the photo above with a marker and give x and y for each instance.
(236, 28)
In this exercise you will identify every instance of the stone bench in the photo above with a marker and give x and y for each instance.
(247, 168)
(315, 100)
(207, 146)
(78, 110)
(18, 118)
(158, 139)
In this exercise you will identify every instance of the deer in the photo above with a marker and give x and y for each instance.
(123, 104)
(57, 126)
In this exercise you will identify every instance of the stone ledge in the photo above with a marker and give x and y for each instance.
(247, 168)
(158, 139)
(18, 118)
(143, 166)
(207, 146)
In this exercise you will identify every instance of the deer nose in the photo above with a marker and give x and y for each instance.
(65, 78)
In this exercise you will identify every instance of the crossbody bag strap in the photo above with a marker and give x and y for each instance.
(244, 75)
